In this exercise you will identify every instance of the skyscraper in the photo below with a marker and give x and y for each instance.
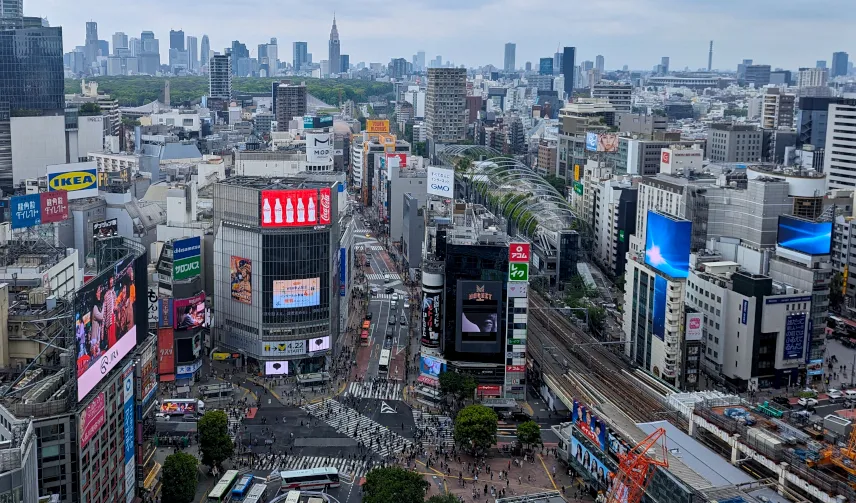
(11, 9)
(710, 57)
(220, 77)
(820, 63)
(510, 54)
(445, 105)
(300, 58)
(90, 50)
(335, 55)
(568, 65)
(545, 66)
(192, 54)
(205, 51)
(599, 63)
(176, 39)
(120, 41)
(664, 63)
(346, 62)
(273, 56)
(420, 61)
(839, 64)
(840, 138)
(149, 57)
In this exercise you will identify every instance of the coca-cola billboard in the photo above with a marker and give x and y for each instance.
(295, 208)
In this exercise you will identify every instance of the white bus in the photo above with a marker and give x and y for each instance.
(293, 497)
(315, 478)
(383, 364)
(257, 494)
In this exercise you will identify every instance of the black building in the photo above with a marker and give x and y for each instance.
(568, 65)
(31, 71)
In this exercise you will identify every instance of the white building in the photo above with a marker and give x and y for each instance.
(838, 163)
(41, 141)
(812, 77)
(189, 120)
(677, 159)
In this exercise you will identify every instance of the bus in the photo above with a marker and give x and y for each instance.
(364, 338)
(315, 478)
(222, 492)
(383, 364)
(257, 494)
(239, 492)
(293, 497)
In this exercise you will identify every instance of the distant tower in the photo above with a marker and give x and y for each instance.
(166, 93)
(334, 56)
(710, 57)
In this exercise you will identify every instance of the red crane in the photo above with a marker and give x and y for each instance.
(634, 468)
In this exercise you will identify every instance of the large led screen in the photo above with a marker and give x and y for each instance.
(318, 344)
(479, 312)
(296, 293)
(660, 286)
(105, 324)
(794, 337)
(432, 367)
(189, 313)
(296, 208)
(432, 321)
(241, 276)
(279, 368)
(806, 237)
(667, 245)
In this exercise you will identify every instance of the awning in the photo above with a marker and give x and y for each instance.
(167, 377)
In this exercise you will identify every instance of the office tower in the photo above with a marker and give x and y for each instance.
(103, 48)
(710, 57)
(840, 146)
(820, 64)
(741, 69)
(557, 63)
(335, 56)
(346, 63)
(812, 119)
(120, 41)
(192, 54)
(240, 59)
(599, 63)
(664, 63)
(839, 64)
(568, 66)
(510, 50)
(149, 58)
(759, 75)
(90, 44)
(812, 77)
(176, 39)
(299, 57)
(220, 77)
(545, 66)
(205, 51)
(273, 56)
(734, 143)
(135, 47)
(290, 103)
(420, 61)
(445, 105)
(11, 9)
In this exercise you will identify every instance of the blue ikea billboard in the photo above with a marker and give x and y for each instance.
(667, 245)
(660, 286)
(804, 236)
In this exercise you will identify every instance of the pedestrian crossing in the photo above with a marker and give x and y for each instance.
(374, 436)
(436, 429)
(362, 231)
(386, 296)
(351, 468)
(381, 391)
(234, 426)
(393, 276)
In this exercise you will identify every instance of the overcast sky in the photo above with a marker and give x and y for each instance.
(782, 33)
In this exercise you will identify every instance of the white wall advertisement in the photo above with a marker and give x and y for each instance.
(441, 181)
(319, 148)
(694, 327)
(284, 348)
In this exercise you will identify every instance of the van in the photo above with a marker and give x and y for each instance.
(394, 304)
(385, 278)
(850, 395)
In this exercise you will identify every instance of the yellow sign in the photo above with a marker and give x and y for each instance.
(220, 356)
(377, 126)
(73, 181)
(844, 280)
(576, 172)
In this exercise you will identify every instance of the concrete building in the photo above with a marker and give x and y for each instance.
(290, 103)
(734, 143)
(778, 109)
(812, 120)
(220, 77)
(642, 125)
(510, 53)
(812, 77)
(615, 222)
(575, 120)
(412, 232)
(759, 75)
(619, 95)
(841, 145)
(547, 161)
(644, 157)
(445, 105)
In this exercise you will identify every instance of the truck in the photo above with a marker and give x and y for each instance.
(216, 389)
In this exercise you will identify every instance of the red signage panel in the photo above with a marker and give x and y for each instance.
(292, 208)
(326, 207)
(54, 206)
(515, 368)
(166, 351)
(92, 418)
(518, 252)
(402, 159)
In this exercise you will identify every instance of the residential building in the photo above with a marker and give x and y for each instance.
(812, 120)
(290, 103)
(547, 157)
(839, 64)
(838, 162)
(614, 223)
(220, 77)
(642, 125)
(445, 105)
(778, 109)
(335, 58)
(812, 77)
(510, 50)
(734, 143)
(619, 95)
(759, 75)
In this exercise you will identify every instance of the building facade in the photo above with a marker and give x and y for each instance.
(220, 77)
(445, 105)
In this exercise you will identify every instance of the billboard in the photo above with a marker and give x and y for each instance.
(693, 330)
(432, 320)
(316, 122)
(295, 208)
(578, 188)
(607, 142)
(377, 126)
(92, 418)
(189, 313)
(519, 252)
(104, 324)
(667, 245)
(441, 181)
(590, 425)
(186, 256)
(591, 142)
(319, 148)
(479, 310)
(660, 286)
(130, 430)
(432, 367)
(814, 368)
(166, 351)
(576, 172)
(26, 211)
(590, 463)
(397, 160)
(80, 180)
(317, 344)
(241, 278)
(804, 236)
(290, 293)
(178, 407)
(284, 348)
(54, 206)
(794, 336)
(276, 368)
(165, 314)
(343, 271)
(105, 228)
(148, 375)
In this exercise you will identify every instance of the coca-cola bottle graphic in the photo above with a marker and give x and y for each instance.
(277, 212)
(266, 212)
(289, 212)
(301, 210)
(310, 217)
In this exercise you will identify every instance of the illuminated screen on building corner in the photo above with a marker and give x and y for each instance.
(667, 245)
(812, 238)
(295, 207)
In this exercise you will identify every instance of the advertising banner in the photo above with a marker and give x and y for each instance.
(377, 126)
(432, 320)
(576, 172)
(290, 208)
(104, 323)
(152, 298)
(189, 369)
(105, 228)
(667, 245)
(26, 211)
(397, 160)
(431, 367)
(515, 368)
(519, 252)
(189, 313)
(812, 238)
(578, 188)
(148, 378)
(241, 278)
(518, 290)
(660, 286)
(428, 381)
(589, 424)
(318, 344)
(165, 313)
(590, 463)
(54, 206)
(479, 305)
(284, 348)
(326, 207)
(130, 439)
(607, 142)
(319, 148)
(343, 271)
(178, 407)
(80, 180)
(186, 254)
(744, 312)
(591, 142)
(814, 367)
(694, 330)
(518, 272)
(794, 336)
(293, 293)
(441, 181)
(92, 418)
(276, 368)
(166, 351)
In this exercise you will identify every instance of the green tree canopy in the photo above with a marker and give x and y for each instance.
(475, 428)
(394, 485)
(179, 478)
(215, 444)
(458, 385)
(88, 109)
(529, 433)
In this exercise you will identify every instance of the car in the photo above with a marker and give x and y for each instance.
(368, 264)
(403, 320)
(388, 333)
(782, 401)
(385, 278)
(406, 304)
(834, 395)
(392, 320)
(387, 343)
(369, 315)
(389, 289)
(808, 402)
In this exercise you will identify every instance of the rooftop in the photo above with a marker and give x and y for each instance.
(310, 180)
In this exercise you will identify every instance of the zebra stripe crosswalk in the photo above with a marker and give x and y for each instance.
(351, 468)
(393, 276)
(381, 391)
(374, 436)
(435, 428)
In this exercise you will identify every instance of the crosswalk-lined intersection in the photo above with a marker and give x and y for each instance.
(372, 435)
(393, 277)
(436, 428)
(354, 468)
(381, 391)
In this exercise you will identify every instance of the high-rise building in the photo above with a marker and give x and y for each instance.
(568, 66)
(557, 63)
(120, 41)
(840, 150)
(510, 55)
(812, 77)
(91, 44)
(759, 75)
(777, 109)
(445, 104)
(664, 64)
(812, 119)
(299, 57)
(734, 143)
(599, 63)
(176, 39)
(220, 77)
(420, 61)
(710, 57)
(11, 9)
(204, 51)
(290, 103)
(192, 54)
(820, 63)
(839, 64)
(545, 66)
(335, 55)
(273, 56)
(345, 64)
(149, 57)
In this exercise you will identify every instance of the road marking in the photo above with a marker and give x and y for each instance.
(550, 476)
(385, 408)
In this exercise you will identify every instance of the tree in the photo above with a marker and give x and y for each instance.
(558, 184)
(443, 498)
(215, 444)
(458, 385)
(394, 485)
(88, 109)
(475, 428)
(179, 478)
(529, 433)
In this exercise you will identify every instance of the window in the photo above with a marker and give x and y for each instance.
(717, 326)
(716, 340)
(716, 354)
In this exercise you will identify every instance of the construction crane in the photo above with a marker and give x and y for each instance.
(845, 458)
(634, 467)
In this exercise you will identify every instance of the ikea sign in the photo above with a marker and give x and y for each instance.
(80, 179)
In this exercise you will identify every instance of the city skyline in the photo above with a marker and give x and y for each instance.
(613, 28)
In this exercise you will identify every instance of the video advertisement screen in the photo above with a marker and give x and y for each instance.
(667, 245)
(189, 313)
(812, 238)
(479, 312)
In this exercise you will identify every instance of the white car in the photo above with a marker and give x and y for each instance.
(385, 278)
(808, 402)
(834, 395)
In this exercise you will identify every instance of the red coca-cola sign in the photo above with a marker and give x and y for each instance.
(325, 204)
